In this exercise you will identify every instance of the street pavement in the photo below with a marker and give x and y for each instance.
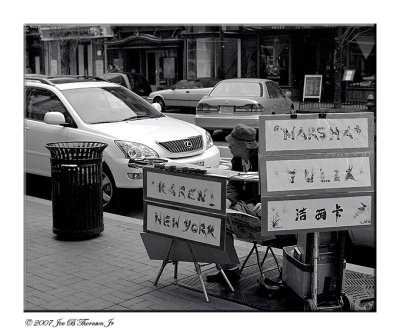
(110, 273)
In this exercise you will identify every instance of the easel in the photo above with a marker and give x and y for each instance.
(197, 267)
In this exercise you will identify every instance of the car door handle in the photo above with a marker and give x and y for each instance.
(27, 128)
(187, 91)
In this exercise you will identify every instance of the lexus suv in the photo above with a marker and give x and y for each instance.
(83, 108)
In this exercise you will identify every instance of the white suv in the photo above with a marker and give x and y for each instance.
(82, 108)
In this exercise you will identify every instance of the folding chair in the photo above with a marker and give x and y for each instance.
(248, 228)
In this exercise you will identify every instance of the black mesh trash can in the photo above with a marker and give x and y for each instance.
(76, 173)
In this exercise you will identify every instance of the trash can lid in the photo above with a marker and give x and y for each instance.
(76, 150)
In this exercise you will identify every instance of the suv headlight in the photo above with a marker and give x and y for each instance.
(209, 140)
(134, 150)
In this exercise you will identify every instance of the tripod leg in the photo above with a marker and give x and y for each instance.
(276, 262)
(247, 258)
(225, 277)
(198, 271)
(165, 262)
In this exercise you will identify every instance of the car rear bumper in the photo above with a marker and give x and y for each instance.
(225, 122)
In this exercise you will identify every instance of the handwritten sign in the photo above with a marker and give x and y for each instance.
(281, 134)
(182, 224)
(312, 86)
(317, 214)
(333, 173)
(194, 192)
(316, 174)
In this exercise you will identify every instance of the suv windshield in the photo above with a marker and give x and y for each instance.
(238, 89)
(109, 104)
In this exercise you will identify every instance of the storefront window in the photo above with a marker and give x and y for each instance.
(209, 57)
(362, 58)
(249, 57)
(275, 59)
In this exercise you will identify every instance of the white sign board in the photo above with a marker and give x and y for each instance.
(348, 172)
(303, 134)
(335, 213)
(195, 192)
(177, 223)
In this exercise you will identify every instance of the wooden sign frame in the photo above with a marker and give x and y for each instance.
(185, 211)
(316, 173)
(309, 133)
(217, 183)
(316, 92)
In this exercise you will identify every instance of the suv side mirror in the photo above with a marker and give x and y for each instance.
(54, 118)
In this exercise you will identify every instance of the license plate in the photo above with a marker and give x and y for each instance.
(199, 163)
(226, 109)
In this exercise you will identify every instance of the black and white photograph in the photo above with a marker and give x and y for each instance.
(175, 168)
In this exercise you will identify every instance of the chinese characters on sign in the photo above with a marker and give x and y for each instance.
(319, 213)
(316, 174)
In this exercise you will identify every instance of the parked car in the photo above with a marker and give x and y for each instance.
(73, 108)
(184, 94)
(241, 100)
(131, 80)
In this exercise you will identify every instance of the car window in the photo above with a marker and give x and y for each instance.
(41, 101)
(109, 104)
(278, 90)
(237, 89)
(208, 82)
(188, 84)
(271, 90)
(119, 79)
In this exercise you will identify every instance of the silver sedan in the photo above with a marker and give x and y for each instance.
(184, 94)
(241, 100)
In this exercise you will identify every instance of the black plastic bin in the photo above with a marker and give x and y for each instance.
(76, 173)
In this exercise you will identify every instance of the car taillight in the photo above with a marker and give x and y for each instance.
(256, 108)
(205, 108)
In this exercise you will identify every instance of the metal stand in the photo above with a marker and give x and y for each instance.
(260, 265)
(340, 301)
(197, 268)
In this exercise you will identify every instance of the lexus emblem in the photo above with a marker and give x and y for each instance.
(188, 144)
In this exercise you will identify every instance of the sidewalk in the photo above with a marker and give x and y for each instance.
(111, 272)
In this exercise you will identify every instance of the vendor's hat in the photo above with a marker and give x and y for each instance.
(243, 133)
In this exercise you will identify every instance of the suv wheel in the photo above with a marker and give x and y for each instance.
(108, 187)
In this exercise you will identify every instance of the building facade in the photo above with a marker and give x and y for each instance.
(165, 54)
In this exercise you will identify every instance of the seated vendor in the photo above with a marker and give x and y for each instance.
(241, 196)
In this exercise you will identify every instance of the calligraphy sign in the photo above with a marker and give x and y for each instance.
(332, 173)
(291, 214)
(312, 86)
(192, 191)
(280, 134)
(184, 224)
